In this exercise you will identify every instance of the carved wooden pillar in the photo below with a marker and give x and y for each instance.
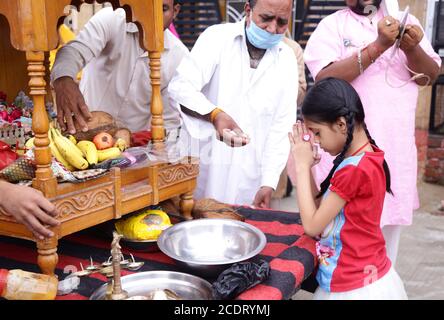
(186, 205)
(49, 95)
(47, 255)
(44, 180)
(157, 129)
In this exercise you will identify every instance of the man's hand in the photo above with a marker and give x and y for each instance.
(412, 37)
(229, 132)
(263, 197)
(388, 31)
(29, 207)
(71, 105)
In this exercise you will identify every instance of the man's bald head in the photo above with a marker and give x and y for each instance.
(270, 15)
(254, 2)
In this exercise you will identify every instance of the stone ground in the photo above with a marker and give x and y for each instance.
(420, 261)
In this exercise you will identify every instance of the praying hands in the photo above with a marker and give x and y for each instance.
(303, 148)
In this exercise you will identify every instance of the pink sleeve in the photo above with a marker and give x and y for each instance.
(425, 43)
(324, 45)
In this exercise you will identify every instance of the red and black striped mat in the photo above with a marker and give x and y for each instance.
(290, 253)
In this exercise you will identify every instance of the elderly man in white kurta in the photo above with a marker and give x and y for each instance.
(116, 75)
(240, 83)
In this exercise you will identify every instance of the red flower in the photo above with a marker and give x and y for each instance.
(17, 113)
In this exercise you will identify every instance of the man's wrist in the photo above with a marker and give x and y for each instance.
(214, 114)
(377, 49)
(411, 51)
(61, 79)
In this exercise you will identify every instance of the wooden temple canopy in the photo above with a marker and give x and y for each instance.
(33, 29)
(34, 23)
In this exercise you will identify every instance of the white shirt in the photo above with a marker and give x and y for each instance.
(263, 104)
(116, 78)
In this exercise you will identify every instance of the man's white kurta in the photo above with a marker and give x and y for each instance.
(262, 101)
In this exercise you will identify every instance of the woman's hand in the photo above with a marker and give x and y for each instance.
(303, 150)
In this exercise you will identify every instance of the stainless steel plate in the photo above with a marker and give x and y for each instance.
(186, 286)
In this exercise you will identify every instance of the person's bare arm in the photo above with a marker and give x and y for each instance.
(315, 217)
(71, 106)
(29, 207)
(100, 31)
(348, 69)
(418, 60)
(315, 189)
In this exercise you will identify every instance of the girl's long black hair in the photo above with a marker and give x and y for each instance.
(330, 99)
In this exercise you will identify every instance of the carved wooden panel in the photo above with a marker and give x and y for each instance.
(85, 202)
(13, 72)
(181, 172)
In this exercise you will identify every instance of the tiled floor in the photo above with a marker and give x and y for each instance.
(421, 251)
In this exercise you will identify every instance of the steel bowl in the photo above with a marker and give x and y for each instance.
(207, 247)
(142, 284)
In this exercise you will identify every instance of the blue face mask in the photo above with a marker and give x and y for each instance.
(261, 38)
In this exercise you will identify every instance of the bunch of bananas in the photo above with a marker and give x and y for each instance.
(76, 155)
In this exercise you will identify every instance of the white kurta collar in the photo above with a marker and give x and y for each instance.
(132, 28)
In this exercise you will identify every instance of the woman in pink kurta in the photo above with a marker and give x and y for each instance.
(390, 112)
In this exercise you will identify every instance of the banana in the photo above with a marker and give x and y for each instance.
(30, 143)
(72, 146)
(64, 145)
(109, 153)
(56, 153)
(121, 144)
(72, 139)
(89, 150)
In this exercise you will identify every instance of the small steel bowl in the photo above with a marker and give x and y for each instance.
(142, 284)
(140, 245)
(207, 247)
